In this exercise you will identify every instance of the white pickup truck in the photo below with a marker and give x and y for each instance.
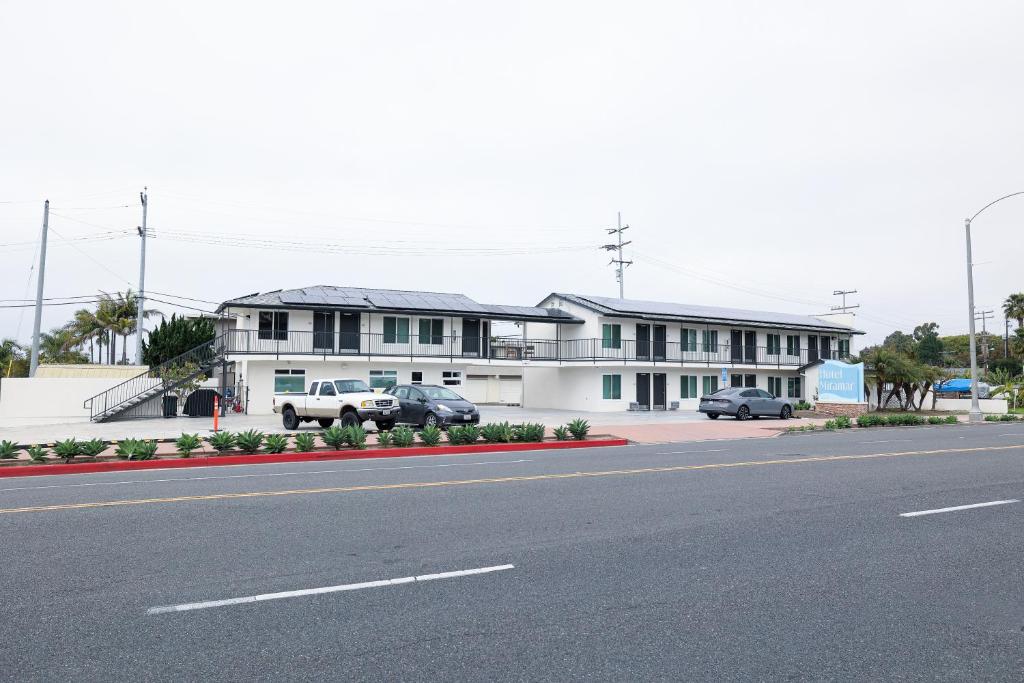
(348, 400)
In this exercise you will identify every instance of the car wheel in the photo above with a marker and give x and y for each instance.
(430, 420)
(787, 413)
(325, 422)
(743, 413)
(712, 416)
(385, 426)
(290, 419)
(350, 419)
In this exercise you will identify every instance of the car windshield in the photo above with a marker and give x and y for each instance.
(350, 386)
(440, 393)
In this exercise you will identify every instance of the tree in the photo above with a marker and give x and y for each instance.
(174, 336)
(13, 362)
(929, 346)
(58, 346)
(900, 343)
(926, 330)
(1013, 307)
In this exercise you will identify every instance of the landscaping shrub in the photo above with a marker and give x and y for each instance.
(249, 441)
(843, 422)
(951, 420)
(37, 453)
(67, 449)
(304, 443)
(830, 425)
(496, 432)
(871, 420)
(126, 448)
(801, 405)
(579, 428)
(463, 435)
(186, 443)
(222, 442)
(143, 450)
(904, 420)
(1008, 418)
(354, 436)
(333, 436)
(530, 432)
(384, 439)
(403, 436)
(935, 420)
(430, 436)
(275, 443)
(8, 450)
(93, 447)
(561, 433)
(991, 418)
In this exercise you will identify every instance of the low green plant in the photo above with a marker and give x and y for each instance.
(8, 450)
(460, 435)
(126, 448)
(403, 436)
(904, 420)
(579, 428)
(334, 436)
(354, 436)
(275, 443)
(146, 450)
(304, 442)
(935, 420)
(384, 438)
(186, 443)
(561, 433)
(529, 432)
(496, 432)
(991, 418)
(222, 442)
(67, 449)
(843, 422)
(871, 420)
(249, 441)
(1007, 418)
(830, 425)
(430, 436)
(93, 447)
(951, 420)
(37, 453)
(801, 405)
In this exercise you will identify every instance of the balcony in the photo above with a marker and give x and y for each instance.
(373, 344)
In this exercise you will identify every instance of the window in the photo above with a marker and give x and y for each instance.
(735, 380)
(441, 394)
(451, 378)
(749, 393)
(709, 338)
(710, 384)
(688, 338)
(396, 330)
(401, 392)
(750, 380)
(775, 386)
(416, 395)
(380, 379)
(289, 379)
(794, 387)
(417, 377)
(431, 331)
(792, 345)
(327, 389)
(844, 348)
(350, 386)
(312, 388)
(774, 345)
(274, 325)
(612, 386)
(611, 337)
(688, 386)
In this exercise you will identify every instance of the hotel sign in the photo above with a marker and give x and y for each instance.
(841, 382)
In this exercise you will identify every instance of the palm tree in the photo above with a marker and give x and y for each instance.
(12, 359)
(87, 328)
(122, 318)
(1013, 307)
(58, 346)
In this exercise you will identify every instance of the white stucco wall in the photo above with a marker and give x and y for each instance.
(48, 400)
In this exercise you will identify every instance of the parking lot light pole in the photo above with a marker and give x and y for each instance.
(975, 413)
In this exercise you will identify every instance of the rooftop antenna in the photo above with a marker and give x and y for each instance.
(619, 262)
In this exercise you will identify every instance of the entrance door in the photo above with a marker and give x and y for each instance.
(736, 346)
(643, 390)
(812, 348)
(659, 391)
(749, 347)
(470, 337)
(826, 347)
(659, 342)
(348, 333)
(323, 331)
(643, 342)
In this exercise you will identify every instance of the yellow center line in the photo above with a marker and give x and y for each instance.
(501, 480)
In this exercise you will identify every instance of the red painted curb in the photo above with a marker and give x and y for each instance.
(220, 460)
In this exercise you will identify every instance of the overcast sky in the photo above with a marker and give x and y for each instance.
(786, 149)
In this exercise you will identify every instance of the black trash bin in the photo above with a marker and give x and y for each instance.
(170, 406)
(200, 403)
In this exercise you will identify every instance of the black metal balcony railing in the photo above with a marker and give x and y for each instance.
(253, 342)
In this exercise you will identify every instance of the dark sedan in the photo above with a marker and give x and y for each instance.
(743, 403)
(430, 405)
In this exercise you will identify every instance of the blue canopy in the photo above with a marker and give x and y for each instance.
(959, 385)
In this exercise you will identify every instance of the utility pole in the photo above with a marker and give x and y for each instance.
(984, 316)
(141, 297)
(1006, 338)
(34, 363)
(620, 263)
(844, 308)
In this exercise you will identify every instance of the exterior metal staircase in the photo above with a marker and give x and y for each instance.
(151, 386)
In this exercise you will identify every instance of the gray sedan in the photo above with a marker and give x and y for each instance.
(743, 403)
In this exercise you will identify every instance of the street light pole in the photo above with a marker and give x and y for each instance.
(975, 413)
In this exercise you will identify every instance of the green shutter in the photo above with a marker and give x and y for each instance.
(606, 389)
(617, 386)
(389, 330)
(424, 331)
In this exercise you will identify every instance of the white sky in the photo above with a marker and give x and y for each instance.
(790, 148)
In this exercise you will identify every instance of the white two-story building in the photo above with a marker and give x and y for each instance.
(571, 351)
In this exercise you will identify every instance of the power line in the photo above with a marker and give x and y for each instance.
(620, 264)
(844, 308)
(101, 265)
(186, 298)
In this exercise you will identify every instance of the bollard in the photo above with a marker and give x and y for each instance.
(216, 411)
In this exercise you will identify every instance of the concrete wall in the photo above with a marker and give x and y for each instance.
(47, 400)
(989, 406)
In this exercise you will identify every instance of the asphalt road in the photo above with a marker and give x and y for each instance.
(769, 559)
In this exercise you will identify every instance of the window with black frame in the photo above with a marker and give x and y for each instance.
(273, 325)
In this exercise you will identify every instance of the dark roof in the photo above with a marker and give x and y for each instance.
(395, 301)
(671, 312)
